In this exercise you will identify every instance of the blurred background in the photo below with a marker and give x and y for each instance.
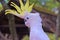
(13, 28)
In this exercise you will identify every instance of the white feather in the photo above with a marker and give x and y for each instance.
(33, 21)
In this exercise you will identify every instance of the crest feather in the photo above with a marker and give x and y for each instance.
(23, 8)
(21, 4)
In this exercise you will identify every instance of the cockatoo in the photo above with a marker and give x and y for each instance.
(32, 20)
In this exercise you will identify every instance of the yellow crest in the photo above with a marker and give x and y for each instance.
(22, 7)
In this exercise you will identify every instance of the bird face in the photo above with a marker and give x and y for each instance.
(32, 19)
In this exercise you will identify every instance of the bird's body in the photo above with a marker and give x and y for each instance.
(35, 24)
(37, 33)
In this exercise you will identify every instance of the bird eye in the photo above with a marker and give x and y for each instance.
(27, 17)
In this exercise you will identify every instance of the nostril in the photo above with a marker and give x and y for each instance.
(25, 20)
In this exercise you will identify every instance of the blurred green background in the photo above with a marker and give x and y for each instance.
(49, 4)
(50, 35)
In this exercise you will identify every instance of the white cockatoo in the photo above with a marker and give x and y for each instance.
(32, 20)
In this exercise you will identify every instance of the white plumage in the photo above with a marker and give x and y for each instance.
(33, 21)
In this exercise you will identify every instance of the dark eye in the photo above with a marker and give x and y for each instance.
(27, 18)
